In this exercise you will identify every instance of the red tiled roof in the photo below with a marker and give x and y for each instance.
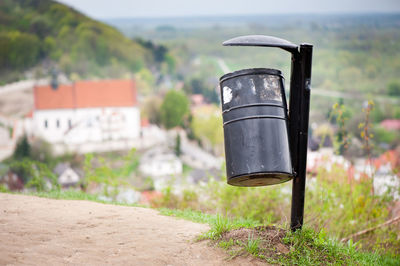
(47, 98)
(85, 94)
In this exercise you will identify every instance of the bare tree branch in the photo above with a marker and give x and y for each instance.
(365, 231)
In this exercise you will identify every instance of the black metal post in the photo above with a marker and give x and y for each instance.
(298, 128)
(299, 109)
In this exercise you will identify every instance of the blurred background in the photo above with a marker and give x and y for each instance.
(120, 100)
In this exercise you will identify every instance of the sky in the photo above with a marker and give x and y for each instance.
(102, 9)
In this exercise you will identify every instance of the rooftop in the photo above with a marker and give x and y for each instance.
(86, 94)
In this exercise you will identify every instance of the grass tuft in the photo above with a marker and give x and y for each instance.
(252, 245)
(226, 244)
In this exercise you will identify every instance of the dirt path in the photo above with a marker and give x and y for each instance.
(38, 231)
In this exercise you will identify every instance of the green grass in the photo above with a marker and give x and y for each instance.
(252, 245)
(307, 247)
(219, 224)
(68, 195)
(226, 244)
(314, 248)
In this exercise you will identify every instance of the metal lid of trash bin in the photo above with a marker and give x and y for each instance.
(251, 71)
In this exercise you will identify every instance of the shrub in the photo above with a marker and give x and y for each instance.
(35, 174)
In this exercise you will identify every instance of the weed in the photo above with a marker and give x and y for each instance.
(226, 244)
(252, 245)
(221, 225)
(342, 136)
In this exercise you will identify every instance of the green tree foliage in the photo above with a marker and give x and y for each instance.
(174, 109)
(178, 145)
(394, 88)
(151, 110)
(18, 50)
(145, 80)
(98, 171)
(22, 149)
(160, 51)
(42, 151)
(162, 58)
(34, 174)
(386, 136)
(208, 128)
(198, 86)
(31, 31)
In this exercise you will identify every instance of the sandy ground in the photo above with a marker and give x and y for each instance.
(38, 231)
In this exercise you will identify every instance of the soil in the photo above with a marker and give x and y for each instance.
(39, 231)
(270, 240)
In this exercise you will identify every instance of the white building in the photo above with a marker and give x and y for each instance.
(159, 162)
(86, 113)
(66, 175)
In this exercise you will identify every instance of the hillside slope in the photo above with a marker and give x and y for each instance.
(47, 32)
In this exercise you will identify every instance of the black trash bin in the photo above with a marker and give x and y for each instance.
(255, 127)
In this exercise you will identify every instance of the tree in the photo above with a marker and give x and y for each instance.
(22, 149)
(209, 130)
(42, 151)
(178, 145)
(34, 174)
(151, 110)
(174, 109)
(394, 88)
(99, 171)
(198, 86)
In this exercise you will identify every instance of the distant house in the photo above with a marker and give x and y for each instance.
(86, 112)
(66, 175)
(157, 162)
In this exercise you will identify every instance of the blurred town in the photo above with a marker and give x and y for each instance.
(100, 116)
(104, 116)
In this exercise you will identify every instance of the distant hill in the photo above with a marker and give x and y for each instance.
(48, 33)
